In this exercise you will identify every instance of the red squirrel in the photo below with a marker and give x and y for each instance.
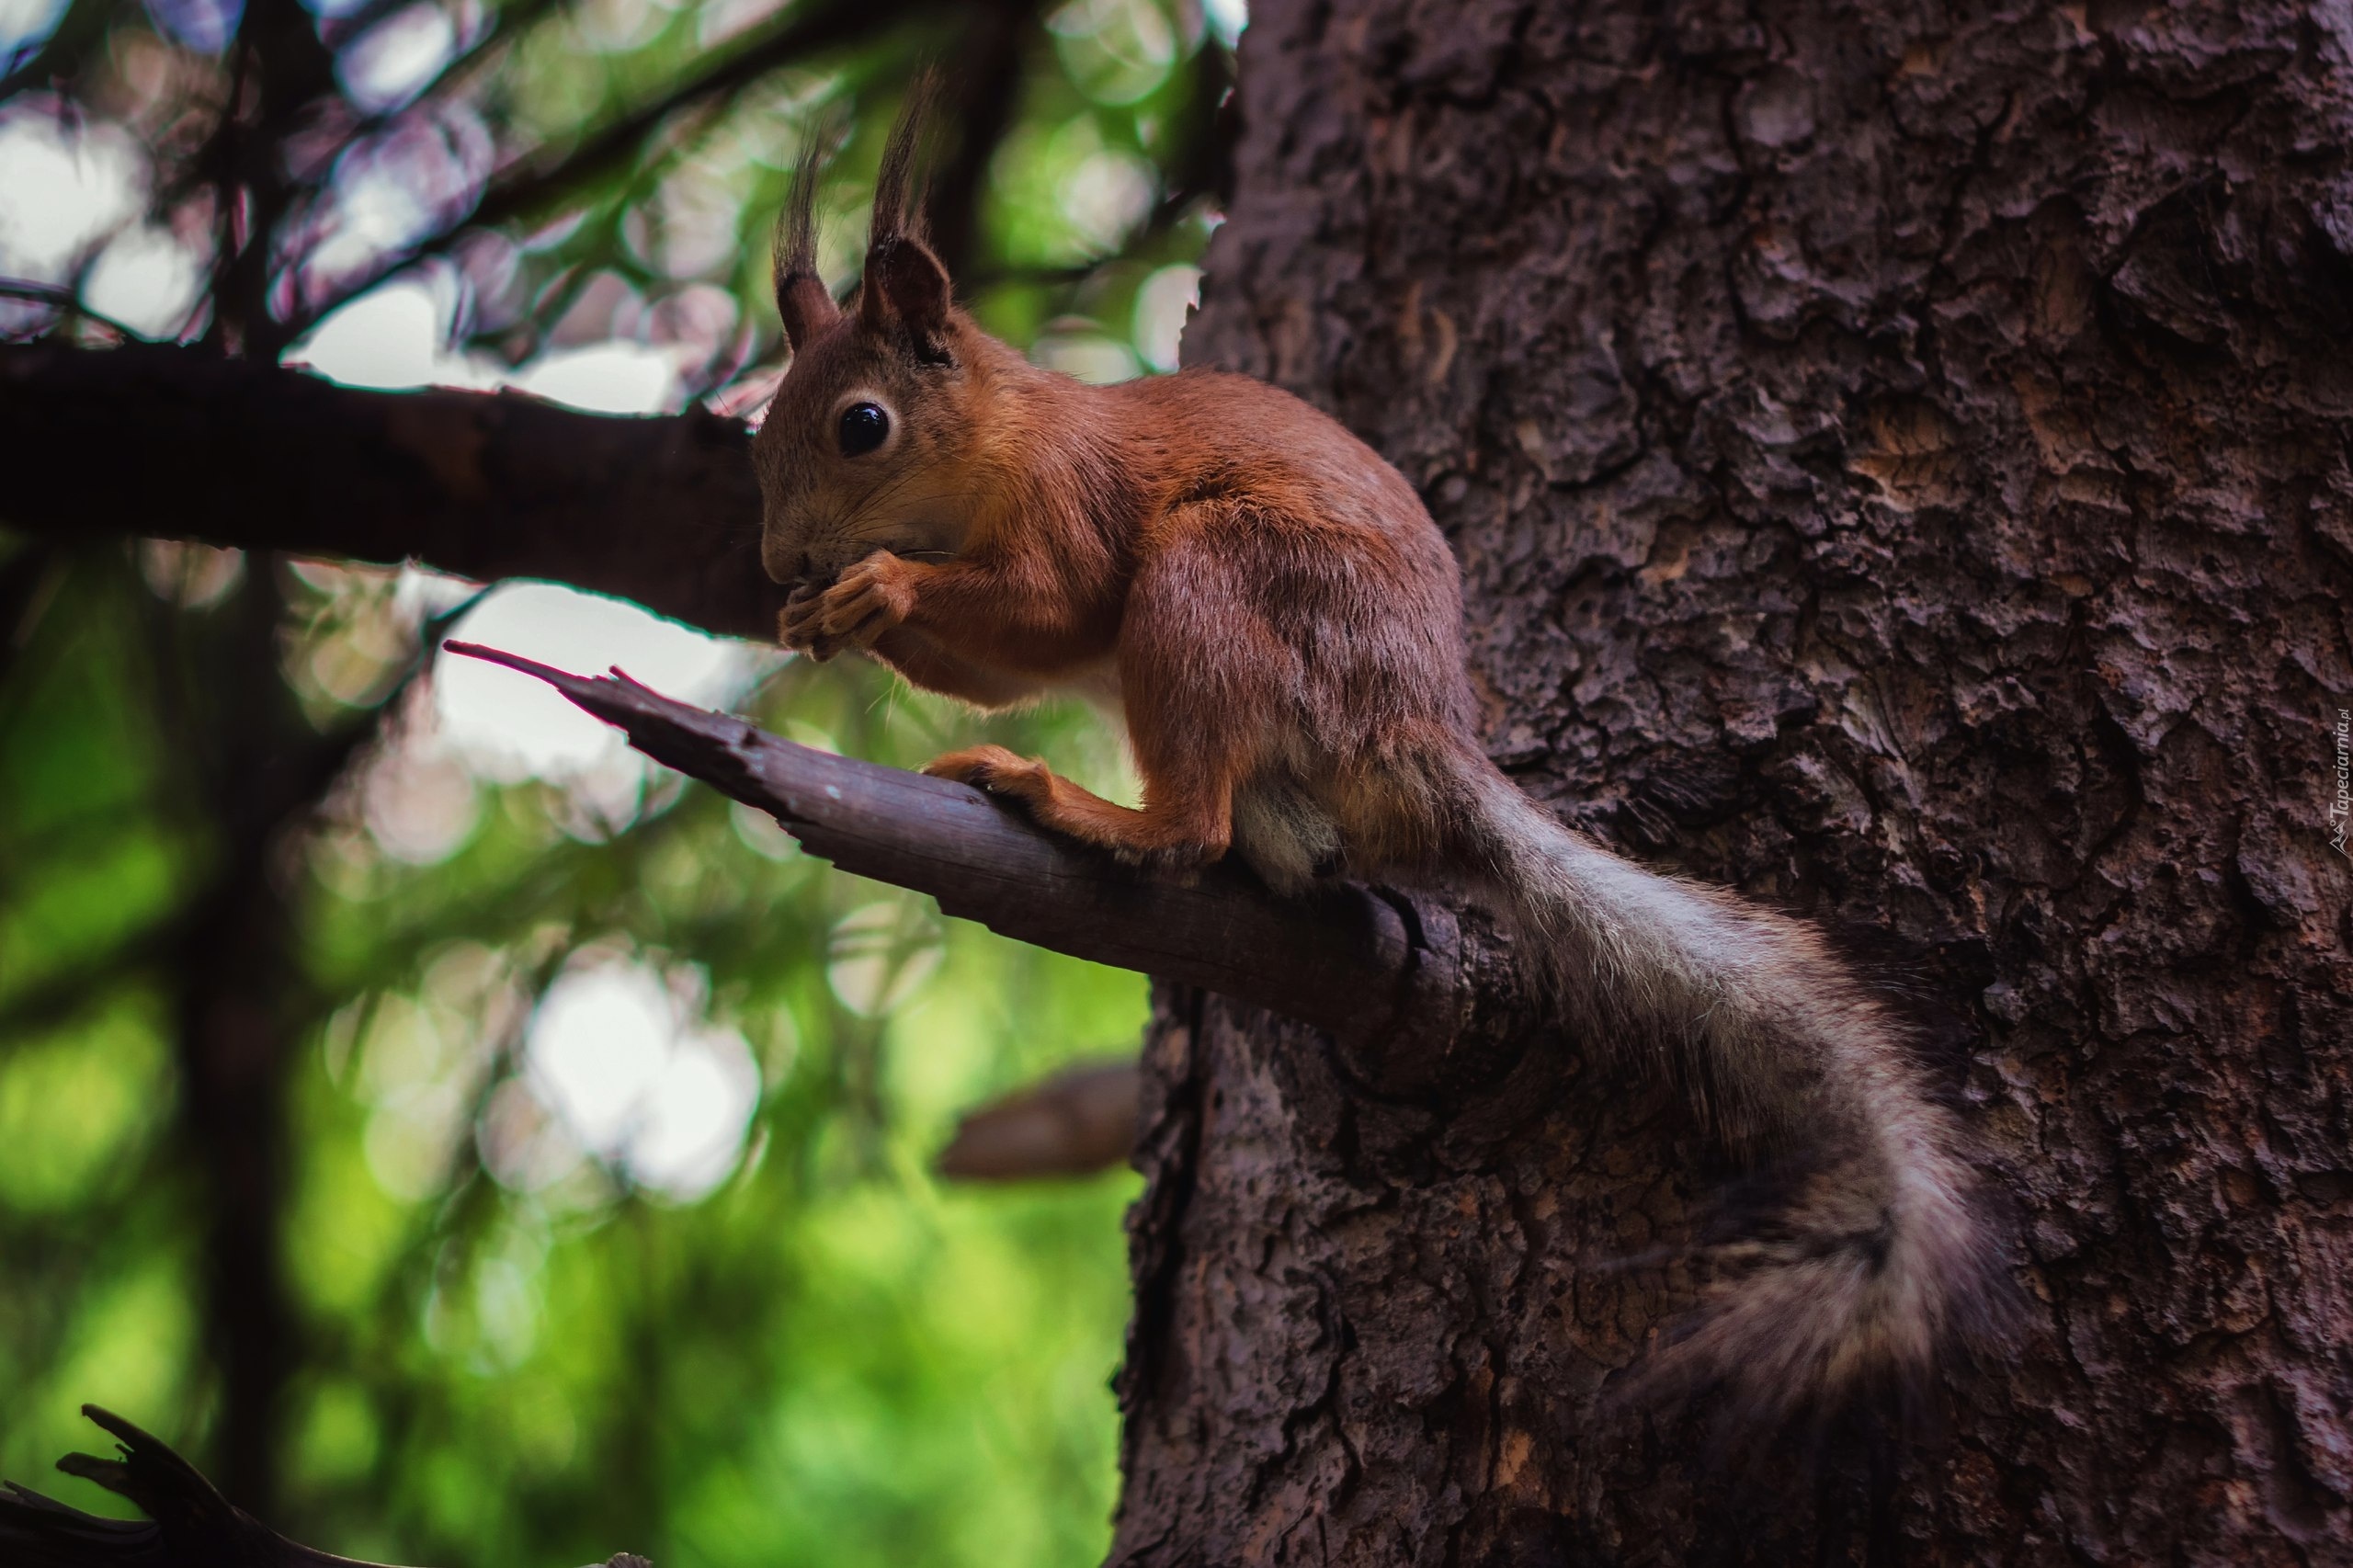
(1278, 620)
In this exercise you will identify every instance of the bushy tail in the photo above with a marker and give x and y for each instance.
(1882, 1262)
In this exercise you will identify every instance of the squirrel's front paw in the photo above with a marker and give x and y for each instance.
(865, 601)
(796, 624)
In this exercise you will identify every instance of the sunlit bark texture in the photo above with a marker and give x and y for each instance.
(1898, 459)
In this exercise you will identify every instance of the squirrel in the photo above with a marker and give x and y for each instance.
(1277, 618)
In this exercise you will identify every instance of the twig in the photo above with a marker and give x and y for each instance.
(190, 1524)
(520, 191)
(66, 300)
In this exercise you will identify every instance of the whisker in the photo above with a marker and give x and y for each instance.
(911, 500)
(859, 536)
(923, 496)
(881, 490)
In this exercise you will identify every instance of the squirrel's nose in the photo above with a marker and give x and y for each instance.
(784, 564)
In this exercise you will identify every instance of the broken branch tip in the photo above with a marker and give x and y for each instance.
(516, 662)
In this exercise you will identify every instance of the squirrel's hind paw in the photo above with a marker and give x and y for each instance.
(993, 768)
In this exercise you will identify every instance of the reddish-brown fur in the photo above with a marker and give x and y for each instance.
(1267, 594)
(1279, 623)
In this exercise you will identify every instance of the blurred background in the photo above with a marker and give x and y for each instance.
(467, 1141)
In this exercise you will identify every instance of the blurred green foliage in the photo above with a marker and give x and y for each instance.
(828, 1356)
(507, 1342)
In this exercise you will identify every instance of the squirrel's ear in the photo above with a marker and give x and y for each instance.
(805, 307)
(906, 294)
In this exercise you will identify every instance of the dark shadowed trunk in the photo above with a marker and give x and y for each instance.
(1898, 459)
(251, 772)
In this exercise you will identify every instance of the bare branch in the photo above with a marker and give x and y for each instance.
(1377, 971)
(1079, 1122)
(191, 1524)
(152, 440)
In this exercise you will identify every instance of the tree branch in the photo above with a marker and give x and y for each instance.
(1079, 1122)
(1378, 971)
(191, 1524)
(154, 439)
(65, 301)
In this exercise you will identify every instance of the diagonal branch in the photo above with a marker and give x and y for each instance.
(190, 1522)
(1369, 968)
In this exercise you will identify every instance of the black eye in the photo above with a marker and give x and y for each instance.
(863, 427)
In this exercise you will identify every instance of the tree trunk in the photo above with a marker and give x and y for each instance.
(1898, 462)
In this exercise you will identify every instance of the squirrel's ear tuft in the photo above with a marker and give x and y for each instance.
(906, 295)
(906, 290)
(802, 300)
(899, 182)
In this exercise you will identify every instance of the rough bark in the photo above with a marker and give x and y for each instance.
(179, 443)
(1898, 460)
